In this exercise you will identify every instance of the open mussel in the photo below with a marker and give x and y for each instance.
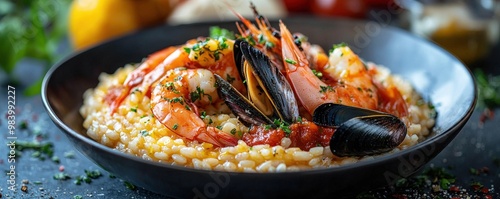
(240, 105)
(270, 96)
(359, 131)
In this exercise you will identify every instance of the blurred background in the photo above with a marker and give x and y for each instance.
(38, 33)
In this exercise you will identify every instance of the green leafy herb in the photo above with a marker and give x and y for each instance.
(473, 171)
(31, 29)
(335, 46)
(489, 89)
(133, 110)
(198, 94)
(69, 154)
(283, 126)
(23, 124)
(175, 126)
(77, 197)
(61, 176)
(129, 185)
(217, 32)
(317, 73)
(144, 133)
(290, 61)
(324, 89)
(94, 174)
(55, 159)
(41, 150)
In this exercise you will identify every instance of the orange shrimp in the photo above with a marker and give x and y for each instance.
(174, 105)
(346, 80)
(215, 55)
(136, 77)
(354, 89)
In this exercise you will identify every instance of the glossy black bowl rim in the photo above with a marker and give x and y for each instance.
(384, 157)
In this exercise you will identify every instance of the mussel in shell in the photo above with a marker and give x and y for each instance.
(359, 131)
(270, 96)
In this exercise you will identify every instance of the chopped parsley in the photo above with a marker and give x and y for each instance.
(290, 61)
(77, 197)
(324, 89)
(175, 127)
(42, 151)
(218, 32)
(61, 176)
(283, 126)
(198, 94)
(335, 46)
(144, 133)
(489, 89)
(129, 185)
(317, 73)
(134, 109)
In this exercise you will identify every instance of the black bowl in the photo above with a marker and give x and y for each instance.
(436, 74)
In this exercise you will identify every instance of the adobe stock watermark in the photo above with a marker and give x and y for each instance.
(11, 138)
(212, 189)
(380, 18)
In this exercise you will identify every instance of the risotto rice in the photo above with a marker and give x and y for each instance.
(133, 129)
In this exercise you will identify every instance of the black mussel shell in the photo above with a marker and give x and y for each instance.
(238, 56)
(273, 82)
(240, 105)
(333, 115)
(368, 135)
(359, 131)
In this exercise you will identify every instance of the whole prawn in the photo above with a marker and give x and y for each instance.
(175, 100)
(347, 80)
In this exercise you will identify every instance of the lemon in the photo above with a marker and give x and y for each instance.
(93, 21)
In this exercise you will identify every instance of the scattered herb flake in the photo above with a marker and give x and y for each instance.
(69, 154)
(144, 133)
(324, 89)
(134, 109)
(290, 61)
(129, 185)
(77, 197)
(93, 174)
(218, 32)
(318, 74)
(61, 176)
(175, 126)
(23, 124)
(55, 159)
(335, 46)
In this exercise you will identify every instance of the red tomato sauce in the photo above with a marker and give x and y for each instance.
(304, 135)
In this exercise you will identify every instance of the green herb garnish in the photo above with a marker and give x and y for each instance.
(335, 46)
(61, 176)
(217, 32)
(290, 61)
(129, 185)
(31, 29)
